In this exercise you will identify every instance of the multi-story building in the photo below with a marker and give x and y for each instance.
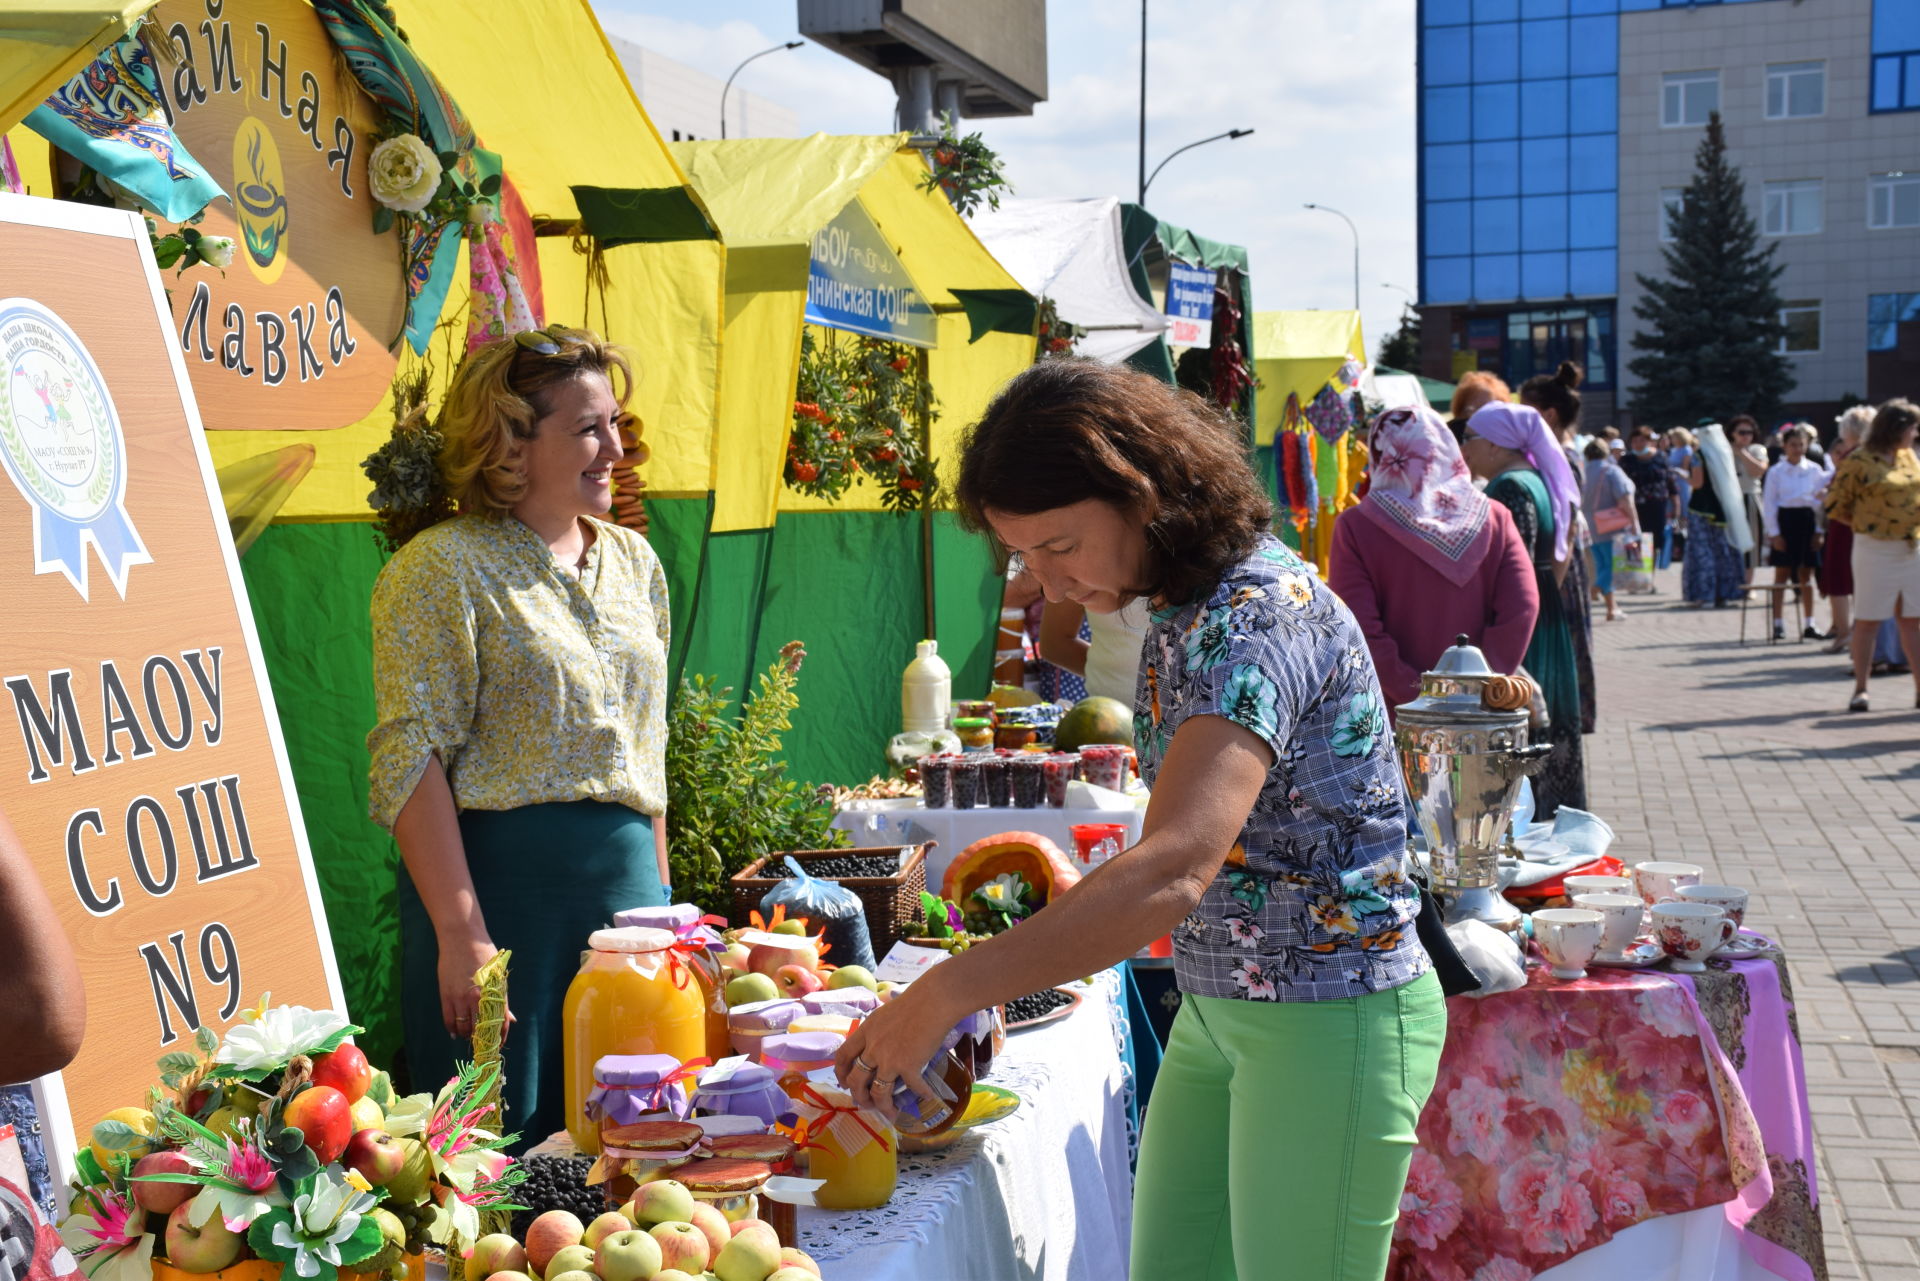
(1556, 134)
(684, 104)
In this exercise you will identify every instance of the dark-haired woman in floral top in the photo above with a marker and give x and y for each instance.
(1284, 1112)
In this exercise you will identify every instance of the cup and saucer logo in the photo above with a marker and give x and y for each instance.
(60, 444)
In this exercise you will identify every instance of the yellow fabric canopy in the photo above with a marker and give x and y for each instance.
(769, 196)
(543, 88)
(1299, 352)
(44, 42)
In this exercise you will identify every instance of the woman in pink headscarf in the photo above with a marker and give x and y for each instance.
(1425, 557)
(1513, 449)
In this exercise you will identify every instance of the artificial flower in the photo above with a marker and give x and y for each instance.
(1004, 893)
(404, 173)
(270, 1040)
(236, 1177)
(108, 1238)
(327, 1226)
(215, 251)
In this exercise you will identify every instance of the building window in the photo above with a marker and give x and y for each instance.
(1896, 82)
(1688, 97)
(1792, 208)
(1893, 200)
(1671, 200)
(1802, 323)
(1885, 314)
(1796, 89)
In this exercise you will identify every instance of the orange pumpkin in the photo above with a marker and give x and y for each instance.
(1028, 853)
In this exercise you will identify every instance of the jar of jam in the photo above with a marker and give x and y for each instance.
(976, 732)
(748, 1026)
(853, 1151)
(642, 1152)
(951, 1081)
(741, 1089)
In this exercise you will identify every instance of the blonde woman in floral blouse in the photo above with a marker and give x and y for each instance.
(521, 679)
(1877, 492)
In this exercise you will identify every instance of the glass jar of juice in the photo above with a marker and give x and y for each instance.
(854, 1152)
(633, 995)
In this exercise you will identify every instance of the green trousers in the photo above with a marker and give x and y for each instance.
(1277, 1144)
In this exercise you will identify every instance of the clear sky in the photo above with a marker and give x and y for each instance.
(1326, 84)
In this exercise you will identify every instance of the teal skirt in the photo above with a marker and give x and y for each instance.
(546, 876)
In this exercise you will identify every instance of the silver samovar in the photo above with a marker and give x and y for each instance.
(1463, 749)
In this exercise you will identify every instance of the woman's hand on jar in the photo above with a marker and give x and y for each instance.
(459, 994)
(893, 1044)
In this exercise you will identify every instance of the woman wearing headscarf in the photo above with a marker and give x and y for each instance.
(1718, 536)
(1426, 557)
(1557, 397)
(1513, 449)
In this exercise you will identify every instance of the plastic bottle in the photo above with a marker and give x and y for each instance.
(926, 690)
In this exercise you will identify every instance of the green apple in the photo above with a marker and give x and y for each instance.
(632, 1255)
(749, 988)
(572, 1258)
(409, 1187)
(663, 1201)
(795, 927)
(748, 1257)
(852, 976)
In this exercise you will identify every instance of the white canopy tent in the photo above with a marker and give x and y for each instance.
(1070, 251)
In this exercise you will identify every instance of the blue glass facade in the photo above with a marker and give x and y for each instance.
(1519, 153)
(1896, 56)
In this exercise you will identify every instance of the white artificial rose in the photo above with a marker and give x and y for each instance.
(404, 173)
(215, 251)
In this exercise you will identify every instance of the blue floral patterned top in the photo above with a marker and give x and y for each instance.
(1313, 904)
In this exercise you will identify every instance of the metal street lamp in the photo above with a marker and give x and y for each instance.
(1231, 133)
(791, 44)
(1411, 300)
(1356, 246)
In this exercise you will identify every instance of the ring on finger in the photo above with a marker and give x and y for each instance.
(860, 1062)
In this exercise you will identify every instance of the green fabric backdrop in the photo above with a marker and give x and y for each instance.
(850, 586)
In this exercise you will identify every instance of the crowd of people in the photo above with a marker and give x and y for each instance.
(1520, 524)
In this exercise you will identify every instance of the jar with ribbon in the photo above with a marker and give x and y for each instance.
(700, 938)
(732, 1088)
(749, 1025)
(852, 1151)
(636, 994)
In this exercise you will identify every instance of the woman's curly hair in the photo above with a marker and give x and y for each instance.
(1064, 431)
(497, 398)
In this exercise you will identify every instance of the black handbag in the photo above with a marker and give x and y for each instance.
(1456, 978)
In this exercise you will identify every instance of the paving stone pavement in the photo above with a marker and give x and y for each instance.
(1744, 759)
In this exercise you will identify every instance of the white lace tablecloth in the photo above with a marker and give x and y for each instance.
(1045, 1193)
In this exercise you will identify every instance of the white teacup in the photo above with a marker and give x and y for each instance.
(1656, 882)
(1578, 885)
(1569, 936)
(1730, 899)
(1624, 914)
(1691, 932)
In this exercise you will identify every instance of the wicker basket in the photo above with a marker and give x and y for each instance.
(892, 902)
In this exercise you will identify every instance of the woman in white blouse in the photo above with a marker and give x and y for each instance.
(1789, 505)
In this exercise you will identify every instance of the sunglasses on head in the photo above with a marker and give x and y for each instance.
(545, 342)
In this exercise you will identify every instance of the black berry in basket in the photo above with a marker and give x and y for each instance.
(1025, 1009)
(556, 1183)
(841, 868)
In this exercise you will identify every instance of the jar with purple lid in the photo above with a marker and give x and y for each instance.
(749, 1089)
(627, 1087)
(749, 1026)
(856, 1001)
(800, 1052)
(674, 917)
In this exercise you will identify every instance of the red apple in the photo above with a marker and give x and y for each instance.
(207, 1248)
(346, 1070)
(377, 1155)
(796, 981)
(323, 1114)
(496, 1252)
(162, 1198)
(713, 1225)
(551, 1233)
(767, 957)
(682, 1246)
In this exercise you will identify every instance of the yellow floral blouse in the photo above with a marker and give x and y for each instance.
(1879, 499)
(531, 685)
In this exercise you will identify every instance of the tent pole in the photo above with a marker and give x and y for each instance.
(926, 515)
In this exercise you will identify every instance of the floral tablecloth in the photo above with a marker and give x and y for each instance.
(1567, 1112)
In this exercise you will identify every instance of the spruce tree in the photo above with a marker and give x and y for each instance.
(1710, 331)
(1401, 348)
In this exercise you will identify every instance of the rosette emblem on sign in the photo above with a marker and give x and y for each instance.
(60, 444)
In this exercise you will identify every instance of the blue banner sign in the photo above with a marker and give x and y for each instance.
(1190, 304)
(857, 283)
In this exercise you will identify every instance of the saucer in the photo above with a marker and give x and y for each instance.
(1747, 945)
(1638, 957)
